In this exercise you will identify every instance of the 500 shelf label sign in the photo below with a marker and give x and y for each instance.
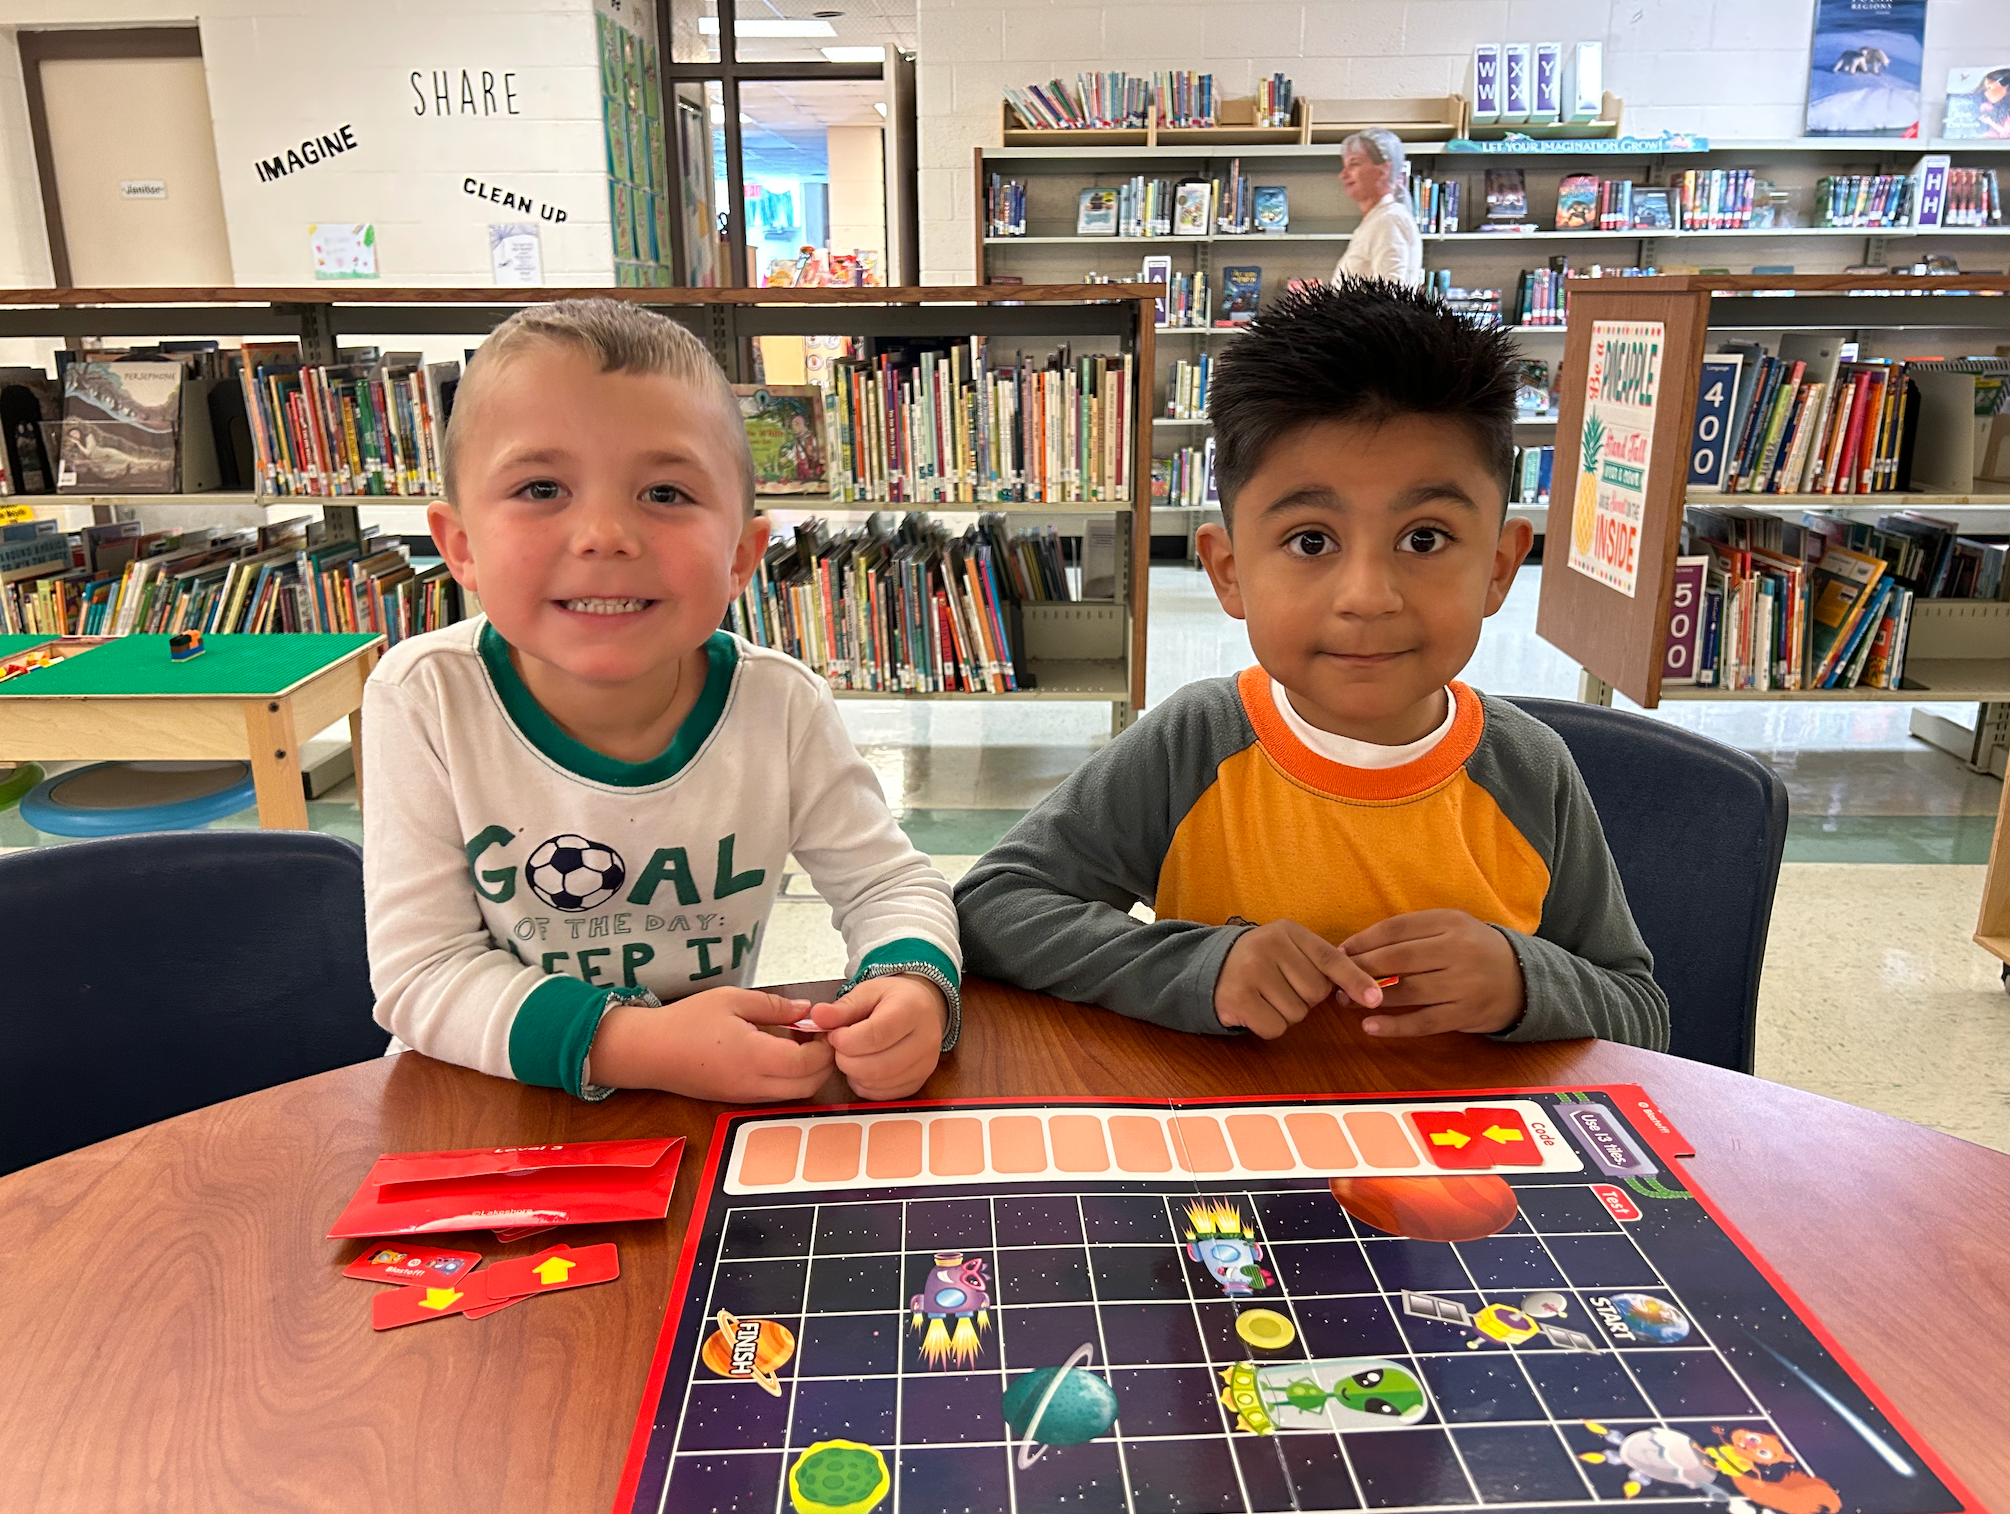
(1622, 386)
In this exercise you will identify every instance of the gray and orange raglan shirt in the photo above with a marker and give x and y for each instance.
(1215, 814)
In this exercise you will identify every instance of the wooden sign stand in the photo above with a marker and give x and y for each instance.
(1618, 638)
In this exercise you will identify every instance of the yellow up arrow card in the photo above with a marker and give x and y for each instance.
(552, 1270)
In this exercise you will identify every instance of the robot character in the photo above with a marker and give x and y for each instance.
(1215, 1238)
(1657, 1455)
(954, 1289)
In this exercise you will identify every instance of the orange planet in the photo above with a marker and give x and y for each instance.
(1430, 1208)
(749, 1350)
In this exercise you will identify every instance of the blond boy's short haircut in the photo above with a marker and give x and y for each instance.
(625, 338)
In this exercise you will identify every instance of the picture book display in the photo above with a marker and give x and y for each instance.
(1096, 215)
(785, 429)
(121, 421)
(1241, 293)
(1503, 1300)
(1864, 65)
(1978, 103)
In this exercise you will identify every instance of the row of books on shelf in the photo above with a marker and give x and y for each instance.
(1184, 479)
(1812, 419)
(1972, 197)
(943, 423)
(1004, 207)
(1876, 200)
(1114, 98)
(119, 580)
(1187, 300)
(372, 424)
(1820, 603)
(1539, 299)
(906, 607)
(1186, 388)
(1146, 207)
(1273, 101)
(1434, 203)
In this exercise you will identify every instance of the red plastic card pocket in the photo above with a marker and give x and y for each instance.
(583, 1183)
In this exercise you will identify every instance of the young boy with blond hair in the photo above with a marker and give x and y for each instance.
(1345, 811)
(581, 800)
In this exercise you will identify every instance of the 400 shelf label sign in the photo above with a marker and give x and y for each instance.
(1622, 386)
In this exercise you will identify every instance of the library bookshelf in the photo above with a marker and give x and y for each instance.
(1958, 651)
(1090, 651)
(1055, 165)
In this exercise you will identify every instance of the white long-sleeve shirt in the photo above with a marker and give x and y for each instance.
(1386, 245)
(514, 877)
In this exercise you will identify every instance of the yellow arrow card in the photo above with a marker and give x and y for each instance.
(1452, 1138)
(1501, 1134)
(553, 1270)
(439, 1298)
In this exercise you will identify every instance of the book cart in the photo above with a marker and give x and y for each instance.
(1959, 649)
(1089, 651)
(1305, 159)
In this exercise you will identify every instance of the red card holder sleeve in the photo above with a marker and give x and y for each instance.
(587, 1182)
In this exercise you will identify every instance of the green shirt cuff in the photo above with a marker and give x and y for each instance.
(924, 959)
(553, 1032)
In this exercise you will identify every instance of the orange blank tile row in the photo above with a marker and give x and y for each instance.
(890, 1150)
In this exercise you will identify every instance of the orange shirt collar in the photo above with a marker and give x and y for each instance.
(1330, 777)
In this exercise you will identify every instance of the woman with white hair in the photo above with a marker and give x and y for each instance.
(1387, 244)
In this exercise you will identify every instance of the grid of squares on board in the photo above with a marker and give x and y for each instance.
(1109, 1270)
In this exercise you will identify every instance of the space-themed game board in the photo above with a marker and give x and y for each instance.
(1506, 1300)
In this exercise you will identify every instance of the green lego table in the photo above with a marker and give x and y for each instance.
(249, 697)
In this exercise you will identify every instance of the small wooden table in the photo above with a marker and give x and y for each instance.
(176, 1334)
(254, 698)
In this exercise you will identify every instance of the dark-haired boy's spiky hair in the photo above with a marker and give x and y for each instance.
(1359, 350)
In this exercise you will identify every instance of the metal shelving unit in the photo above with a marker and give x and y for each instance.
(1056, 168)
(1084, 651)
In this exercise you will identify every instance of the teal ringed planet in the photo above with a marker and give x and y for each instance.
(1031, 1439)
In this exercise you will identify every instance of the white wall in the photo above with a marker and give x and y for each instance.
(284, 71)
(1727, 68)
(24, 245)
(857, 158)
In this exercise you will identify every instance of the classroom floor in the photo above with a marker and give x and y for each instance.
(1872, 989)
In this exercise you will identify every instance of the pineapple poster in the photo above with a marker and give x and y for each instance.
(1621, 387)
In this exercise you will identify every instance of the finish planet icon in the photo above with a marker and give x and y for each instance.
(1059, 1406)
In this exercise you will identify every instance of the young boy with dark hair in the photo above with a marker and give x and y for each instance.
(1346, 811)
(581, 800)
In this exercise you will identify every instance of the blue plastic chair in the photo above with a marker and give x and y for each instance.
(160, 973)
(1697, 829)
(75, 803)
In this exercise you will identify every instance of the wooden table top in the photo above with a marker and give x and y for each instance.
(176, 1334)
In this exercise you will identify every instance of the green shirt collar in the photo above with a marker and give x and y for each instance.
(722, 656)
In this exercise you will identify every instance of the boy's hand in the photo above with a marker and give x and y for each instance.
(887, 1033)
(1458, 973)
(713, 1045)
(1276, 974)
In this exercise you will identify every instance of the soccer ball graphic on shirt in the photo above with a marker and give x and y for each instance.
(572, 873)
